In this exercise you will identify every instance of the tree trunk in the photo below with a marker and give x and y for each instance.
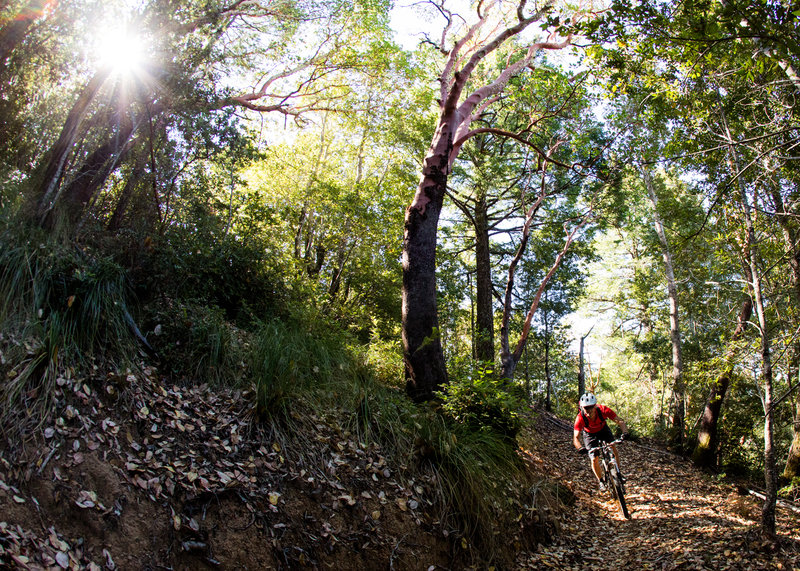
(770, 467)
(53, 168)
(423, 356)
(425, 369)
(342, 253)
(792, 468)
(484, 345)
(581, 369)
(94, 173)
(678, 385)
(509, 360)
(705, 453)
(547, 380)
(752, 258)
(115, 223)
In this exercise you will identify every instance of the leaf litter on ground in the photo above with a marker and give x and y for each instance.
(681, 517)
(184, 448)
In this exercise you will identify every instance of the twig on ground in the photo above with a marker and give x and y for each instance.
(391, 557)
(46, 460)
(782, 503)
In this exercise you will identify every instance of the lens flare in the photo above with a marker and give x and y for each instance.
(122, 51)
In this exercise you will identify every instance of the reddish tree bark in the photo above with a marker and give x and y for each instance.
(425, 368)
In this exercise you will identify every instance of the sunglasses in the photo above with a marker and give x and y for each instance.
(588, 408)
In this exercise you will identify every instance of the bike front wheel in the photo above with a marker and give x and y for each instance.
(619, 491)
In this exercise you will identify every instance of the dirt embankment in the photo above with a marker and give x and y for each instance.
(131, 474)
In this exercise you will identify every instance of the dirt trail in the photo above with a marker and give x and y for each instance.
(681, 518)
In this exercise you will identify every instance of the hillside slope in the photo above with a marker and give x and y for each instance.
(134, 474)
(131, 474)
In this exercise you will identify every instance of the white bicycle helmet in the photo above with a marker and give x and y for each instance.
(588, 399)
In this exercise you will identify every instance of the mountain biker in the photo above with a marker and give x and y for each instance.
(592, 421)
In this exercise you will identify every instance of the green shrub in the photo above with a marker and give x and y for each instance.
(482, 402)
(196, 343)
(244, 280)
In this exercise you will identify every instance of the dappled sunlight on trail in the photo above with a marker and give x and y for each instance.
(681, 518)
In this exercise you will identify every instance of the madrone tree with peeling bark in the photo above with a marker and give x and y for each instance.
(461, 102)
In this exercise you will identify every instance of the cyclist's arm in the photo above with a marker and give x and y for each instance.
(576, 439)
(621, 424)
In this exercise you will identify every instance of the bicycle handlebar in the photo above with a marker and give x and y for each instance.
(617, 441)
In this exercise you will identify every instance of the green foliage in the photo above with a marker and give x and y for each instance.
(196, 344)
(243, 279)
(741, 431)
(79, 299)
(385, 360)
(60, 307)
(791, 491)
(292, 358)
(482, 402)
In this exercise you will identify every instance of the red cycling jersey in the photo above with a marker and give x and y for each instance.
(596, 424)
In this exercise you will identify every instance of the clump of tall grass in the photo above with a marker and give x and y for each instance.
(479, 477)
(195, 342)
(59, 306)
(289, 359)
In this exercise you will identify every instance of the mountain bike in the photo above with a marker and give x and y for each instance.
(612, 476)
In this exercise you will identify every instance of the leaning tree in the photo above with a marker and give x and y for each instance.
(467, 91)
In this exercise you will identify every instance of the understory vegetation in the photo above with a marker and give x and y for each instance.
(70, 308)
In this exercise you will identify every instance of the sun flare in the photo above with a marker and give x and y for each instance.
(122, 51)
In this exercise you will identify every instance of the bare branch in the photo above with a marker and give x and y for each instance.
(516, 137)
(535, 303)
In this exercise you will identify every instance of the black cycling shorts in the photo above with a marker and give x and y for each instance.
(593, 440)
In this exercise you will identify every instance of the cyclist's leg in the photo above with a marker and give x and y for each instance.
(591, 441)
(598, 472)
(607, 436)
